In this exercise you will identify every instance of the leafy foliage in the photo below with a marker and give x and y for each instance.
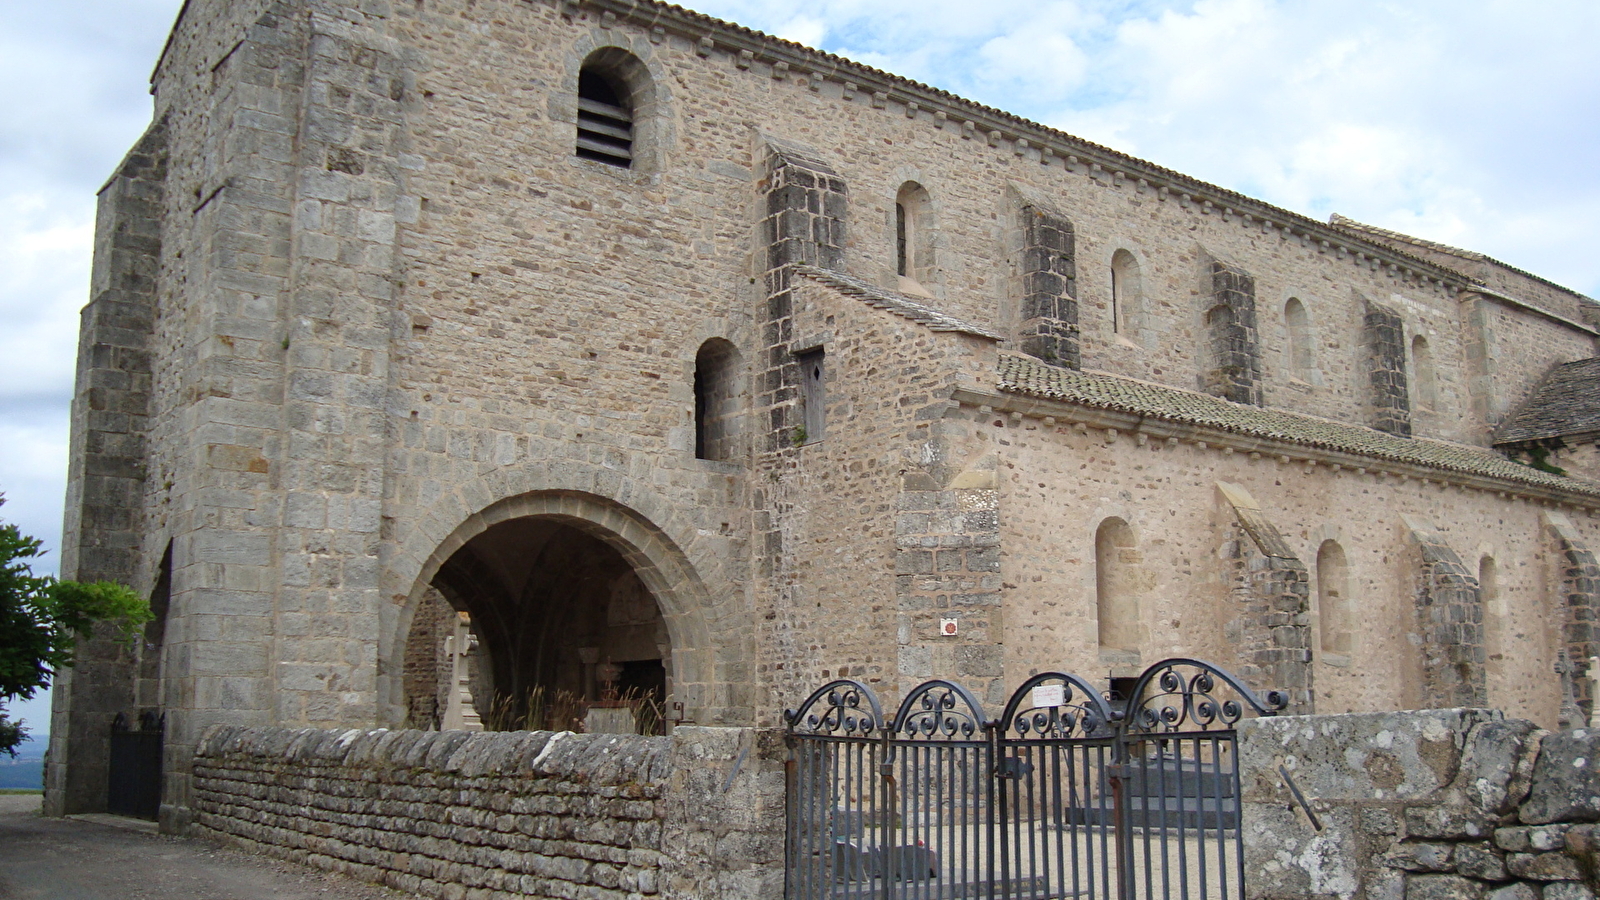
(40, 619)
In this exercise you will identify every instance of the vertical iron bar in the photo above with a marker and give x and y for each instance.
(1183, 831)
(1238, 816)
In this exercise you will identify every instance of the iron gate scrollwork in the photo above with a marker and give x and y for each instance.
(1060, 796)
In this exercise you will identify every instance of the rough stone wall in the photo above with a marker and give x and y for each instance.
(1271, 599)
(1578, 605)
(1049, 329)
(1510, 350)
(1451, 803)
(109, 460)
(849, 571)
(1234, 341)
(1385, 340)
(510, 814)
(1580, 460)
(1449, 622)
(804, 224)
(1167, 491)
(947, 565)
(428, 668)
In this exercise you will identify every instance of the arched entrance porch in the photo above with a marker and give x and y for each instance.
(571, 598)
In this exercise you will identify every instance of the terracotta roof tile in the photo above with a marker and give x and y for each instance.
(1566, 403)
(1028, 377)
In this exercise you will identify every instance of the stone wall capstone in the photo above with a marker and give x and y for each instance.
(1441, 803)
(456, 814)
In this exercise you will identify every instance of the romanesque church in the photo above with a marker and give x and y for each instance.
(550, 352)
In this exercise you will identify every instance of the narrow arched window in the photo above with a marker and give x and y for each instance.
(1298, 324)
(1116, 561)
(605, 118)
(1127, 294)
(902, 255)
(1334, 615)
(1494, 614)
(716, 400)
(1426, 379)
(913, 237)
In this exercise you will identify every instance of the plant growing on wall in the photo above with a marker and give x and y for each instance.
(40, 620)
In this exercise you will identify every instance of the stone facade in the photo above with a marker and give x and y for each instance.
(367, 329)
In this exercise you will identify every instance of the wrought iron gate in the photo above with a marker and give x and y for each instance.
(1063, 795)
(134, 773)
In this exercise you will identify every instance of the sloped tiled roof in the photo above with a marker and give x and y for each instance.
(1348, 224)
(1028, 377)
(893, 302)
(1566, 403)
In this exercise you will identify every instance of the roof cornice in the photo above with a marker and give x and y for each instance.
(1000, 128)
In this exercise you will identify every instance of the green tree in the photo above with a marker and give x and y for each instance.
(41, 618)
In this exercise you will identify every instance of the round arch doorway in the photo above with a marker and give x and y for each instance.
(564, 635)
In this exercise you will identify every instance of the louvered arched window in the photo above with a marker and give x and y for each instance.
(605, 118)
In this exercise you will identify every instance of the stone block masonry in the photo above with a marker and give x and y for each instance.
(109, 454)
(461, 815)
(1235, 373)
(1049, 327)
(1384, 334)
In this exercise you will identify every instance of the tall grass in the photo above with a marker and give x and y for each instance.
(541, 709)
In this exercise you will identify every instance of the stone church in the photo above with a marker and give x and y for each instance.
(695, 365)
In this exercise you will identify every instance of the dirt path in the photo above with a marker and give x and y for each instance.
(69, 859)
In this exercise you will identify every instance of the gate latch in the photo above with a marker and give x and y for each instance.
(1013, 767)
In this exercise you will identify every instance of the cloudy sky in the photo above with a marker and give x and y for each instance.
(1473, 122)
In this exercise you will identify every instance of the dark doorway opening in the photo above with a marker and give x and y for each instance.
(562, 623)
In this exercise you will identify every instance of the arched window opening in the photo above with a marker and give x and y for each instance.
(716, 400)
(1494, 613)
(1298, 324)
(1116, 564)
(913, 238)
(1334, 613)
(902, 264)
(1127, 294)
(1426, 379)
(605, 118)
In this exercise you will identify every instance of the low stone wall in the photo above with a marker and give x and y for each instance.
(461, 815)
(1422, 805)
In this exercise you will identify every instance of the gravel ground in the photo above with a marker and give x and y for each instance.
(69, 859)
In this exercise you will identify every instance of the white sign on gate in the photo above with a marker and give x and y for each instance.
(1044, 695)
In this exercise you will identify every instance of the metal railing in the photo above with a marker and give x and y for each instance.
(1060, 796)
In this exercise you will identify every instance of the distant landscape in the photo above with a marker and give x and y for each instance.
(27, 770)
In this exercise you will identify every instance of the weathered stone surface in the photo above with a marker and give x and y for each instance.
(1480, 861)
(1566, 779)
(1363, 756)
(1379, 821)
(1554, 866)
(1453, 821)
(1517, 891)
(1422, 857)
(1497, 764)
(1443, 887)
(1568, 890)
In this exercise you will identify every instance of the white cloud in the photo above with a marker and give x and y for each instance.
(1469, 122)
